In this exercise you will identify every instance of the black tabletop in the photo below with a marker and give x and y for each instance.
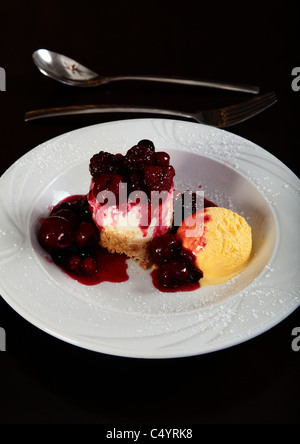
(45, 380)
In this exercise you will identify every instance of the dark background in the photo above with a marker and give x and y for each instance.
(44, 380)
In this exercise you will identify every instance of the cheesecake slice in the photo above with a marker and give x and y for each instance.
(131, 199)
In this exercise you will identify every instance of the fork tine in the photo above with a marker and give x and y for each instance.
(241, 112)
(240, 117)
(249, 104)
(252, 104)
(246, 115)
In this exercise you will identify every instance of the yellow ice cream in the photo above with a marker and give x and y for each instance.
(220, 239)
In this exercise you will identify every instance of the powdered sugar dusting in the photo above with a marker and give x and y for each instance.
(133, 318)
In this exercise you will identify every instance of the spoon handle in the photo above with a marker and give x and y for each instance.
(89, 109)
(188, 82)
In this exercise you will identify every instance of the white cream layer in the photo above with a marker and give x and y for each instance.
(132, 216)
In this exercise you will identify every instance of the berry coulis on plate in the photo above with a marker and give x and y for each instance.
(71, 237)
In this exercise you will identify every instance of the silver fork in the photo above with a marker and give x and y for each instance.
(220, 117)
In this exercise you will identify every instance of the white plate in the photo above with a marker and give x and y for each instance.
(134, 319)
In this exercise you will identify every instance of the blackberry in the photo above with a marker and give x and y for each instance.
(138, 157)
(147, 143)
(104, 163)
(159, 178)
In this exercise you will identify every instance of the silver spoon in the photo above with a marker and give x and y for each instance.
(70, 72)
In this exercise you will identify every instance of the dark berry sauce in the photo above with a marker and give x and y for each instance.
(176, 269)
(183, 287)
(74, 247)
(71, 238)
(110, 267)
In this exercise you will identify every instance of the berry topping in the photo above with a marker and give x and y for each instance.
(89, 265)
(194, 274)
(104, 163)
(159, 178)
(187, 256)
(55, 233)
(142, 168)
(86, 233)
(84, 210)
(60, 256)
(69, 215)
(74, 262)
(78, 204)
(70, 236)
(173, 273)
(107, 182)
(138, 157)
(164, 247)
(176, 265)
(136, 181)
(147, 143)
(161, 158)
(65, 205)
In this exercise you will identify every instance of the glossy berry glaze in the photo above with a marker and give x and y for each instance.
(175, 266)
(71, 237)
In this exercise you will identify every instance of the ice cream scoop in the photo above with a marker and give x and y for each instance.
(221, 241)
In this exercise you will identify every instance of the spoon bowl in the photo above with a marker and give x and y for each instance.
(64, 69)
(70, 72)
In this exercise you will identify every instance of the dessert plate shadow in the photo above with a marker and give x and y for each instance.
(132, 318)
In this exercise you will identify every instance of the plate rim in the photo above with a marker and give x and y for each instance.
(33, 320)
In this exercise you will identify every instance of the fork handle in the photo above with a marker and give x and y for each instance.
(188, 82)
(89, 109)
